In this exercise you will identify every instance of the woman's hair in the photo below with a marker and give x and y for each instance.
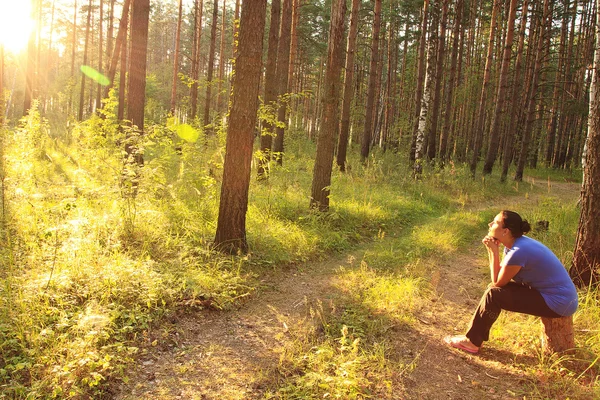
(514, 223)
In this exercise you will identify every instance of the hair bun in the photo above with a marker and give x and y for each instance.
(525, 227)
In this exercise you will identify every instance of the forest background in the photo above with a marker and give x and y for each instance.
(115, 119)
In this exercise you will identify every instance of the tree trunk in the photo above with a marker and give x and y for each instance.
(554, 110)
(367, 133)
(271, 86)
(451, 84)
(510, 133)
(198, 8)
(283, 65)
(211, 65)
(231, 224)
(422, 121)
(176, 60)
(421, 63)
(437, 93)
(236, 24)
(123, 67)
(85, 61)
(330, 123)
(220, 95)
(558, 334)
(585, 270)
(494, 140)
(100, 54)
(120, 43)
(532, 95)
(136, 89)
(478, 134)
(73, 51)
(348, 86)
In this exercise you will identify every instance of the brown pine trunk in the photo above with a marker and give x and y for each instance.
(368, 128)
(120, 43)
(478, 134)
(331, 97)
(451, 84)
(176, 60)
(110, 33)
(100, 54)
(494, 139)
(554, 113)
(85, 62)
(558, 334)
(231, 224)
(211, 66)
(421, 63)
(514, 112)
(198, 8)
(123, 66)
(586, 256)
(437, 93)
(236, 19)
(136, 88)
(283, 66)
(266, 138)
(348, 86)
(220, 95)
(532, 95)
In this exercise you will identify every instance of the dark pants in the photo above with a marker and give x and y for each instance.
(511, 297)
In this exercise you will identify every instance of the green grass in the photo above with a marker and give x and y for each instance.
(87, 271)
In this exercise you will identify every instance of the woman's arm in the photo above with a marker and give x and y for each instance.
(505, 275)
(493, 254)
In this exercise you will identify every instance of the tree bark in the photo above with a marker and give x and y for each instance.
(120, 42)
(283, 65)
(123, 69)
(176, 60)
(421, 63)
(198, 8)
(211, 66)
(100, 54)
(85, 61)
(514, 112)
(220, 95)
(231, 224)
(437, 93)
(271, 86)
(348, 86)
(330, 122)
(367, 132)
(494, 140)
(136, 89)
(585, 270)
(478, 134)
(451, 84)
(558, 334)
(532, 95)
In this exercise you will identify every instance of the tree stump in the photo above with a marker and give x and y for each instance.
(558, 334)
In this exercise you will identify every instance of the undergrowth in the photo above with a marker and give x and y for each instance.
(94, 253)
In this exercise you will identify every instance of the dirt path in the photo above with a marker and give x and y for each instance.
(232, 355)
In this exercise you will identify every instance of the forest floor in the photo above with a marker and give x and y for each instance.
(235, 354)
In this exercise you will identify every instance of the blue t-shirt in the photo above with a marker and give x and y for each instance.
(543, 271)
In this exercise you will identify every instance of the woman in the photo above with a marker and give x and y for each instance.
(530, 280)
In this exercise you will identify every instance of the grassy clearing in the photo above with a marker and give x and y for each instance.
(87, 269)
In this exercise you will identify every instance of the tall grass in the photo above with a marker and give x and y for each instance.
(87, 268)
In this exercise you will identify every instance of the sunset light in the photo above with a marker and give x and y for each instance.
(15, 24)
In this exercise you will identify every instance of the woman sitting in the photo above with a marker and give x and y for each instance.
(529, 280)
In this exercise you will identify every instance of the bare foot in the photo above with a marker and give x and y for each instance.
(461, 343)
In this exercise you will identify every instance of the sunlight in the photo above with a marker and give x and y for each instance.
(15, 24)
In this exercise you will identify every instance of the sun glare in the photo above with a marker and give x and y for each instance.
(15, 24)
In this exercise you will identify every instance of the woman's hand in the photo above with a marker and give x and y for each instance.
(491, 243)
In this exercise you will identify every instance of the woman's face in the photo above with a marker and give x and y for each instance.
(497, 229)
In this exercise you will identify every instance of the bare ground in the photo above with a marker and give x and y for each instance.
(235, 354)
